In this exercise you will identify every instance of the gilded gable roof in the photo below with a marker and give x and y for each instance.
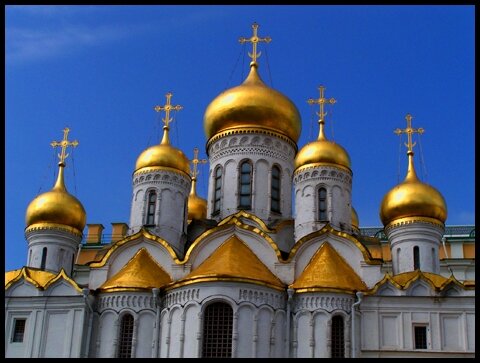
(142, 272)
(328, 271)
(233, 261)
(39, 278)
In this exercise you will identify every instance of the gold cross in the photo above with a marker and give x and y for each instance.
(321, 101)
(64, 144)
(167, 108)
(409, 131)
(196, 161)
(255, 39)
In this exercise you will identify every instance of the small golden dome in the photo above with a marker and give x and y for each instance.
(322, 151)
(57, 206)
(252, 105)
(163, 155)
(197, 207)
(412, 198)
(355, 222)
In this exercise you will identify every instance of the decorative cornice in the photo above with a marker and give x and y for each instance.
(150, 169)
(335, 175)
(410, 220)
(52, 226)
(251, 130)
(325, 302)
(317, 165)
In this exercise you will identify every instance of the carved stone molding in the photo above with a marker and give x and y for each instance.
(119, 301)
(328, 303)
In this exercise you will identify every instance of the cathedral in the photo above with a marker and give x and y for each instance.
(273, 263)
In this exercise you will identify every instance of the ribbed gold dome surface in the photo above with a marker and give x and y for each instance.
(322, 151)
(252, 105)
(163, 155)
(56, 206)
(412, 198)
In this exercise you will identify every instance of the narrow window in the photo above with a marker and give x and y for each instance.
(416, 258)
(73, 263)
(152, 201)
(245, 201)
(218, 190)
(217, 331)
(18, 330)
(338, 344)
(322, 204)
(44, 258)
(30, 257)
(420, 336)
(126, 337)
(275, 198)
(434, 259)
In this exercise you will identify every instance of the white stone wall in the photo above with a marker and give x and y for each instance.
(111, 307)
(338, 184)
(172, 190)
(62, 248)
(264, 151)
(258, 319)
(55, 322)
(387, 326)
(403, 238)
(311, 323)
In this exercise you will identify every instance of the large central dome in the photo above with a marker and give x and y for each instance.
(252, 105)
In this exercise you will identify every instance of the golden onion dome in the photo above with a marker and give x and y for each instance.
(412, 198)
(355, 222)
(163, 155)
(252, 105)
(56, 207)
(197, 207)
(322, 151)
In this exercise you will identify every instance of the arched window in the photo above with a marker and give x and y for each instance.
(218, 190)
(217, 331)
(151, 204)
(275, 190)
(126, 336)
(245, 195)
(322, 204)
(338, 339)
(44, 258)
(416, 258)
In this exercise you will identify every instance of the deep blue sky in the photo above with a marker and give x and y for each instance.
(100, 70)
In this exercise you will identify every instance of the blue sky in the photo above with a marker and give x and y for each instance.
(100, 70)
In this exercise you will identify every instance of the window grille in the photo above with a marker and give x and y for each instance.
(275, 207)
(218, 190)
(322, 204)
(126, 336)
(420, 333)
(217, 331)
(245, 194)
(338, 344)
(18, 330)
